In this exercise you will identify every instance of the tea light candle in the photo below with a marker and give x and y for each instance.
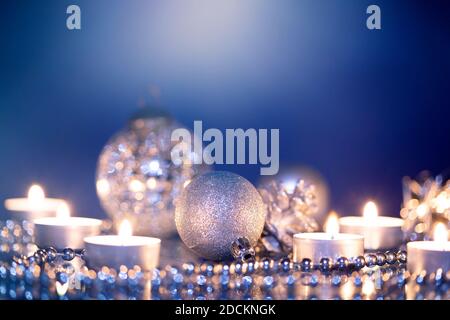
(430, 256)
(122, 249)
(63, 230)
(34, 206)
(379, 232)
(330, 244)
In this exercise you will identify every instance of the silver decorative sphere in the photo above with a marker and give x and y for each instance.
(136, 179)
(214, 210)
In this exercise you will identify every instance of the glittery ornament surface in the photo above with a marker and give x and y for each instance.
(426, 202)
(214, 210)
(136, 178)
(288, 212)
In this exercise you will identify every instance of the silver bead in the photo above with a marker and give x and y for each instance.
(401, 256)
(342, 263)
(371, 260)
(242, 250)
(381, 258)
(51, 254)
(359, 262)
(391, 257)
(325, 264)
(68, 254)
(306, 264)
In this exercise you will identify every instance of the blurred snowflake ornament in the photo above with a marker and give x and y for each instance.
(290, 210)
(426, 202)
(289, 175)
(136, 178)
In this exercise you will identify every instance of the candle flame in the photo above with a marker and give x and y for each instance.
(370, 210)
(440, 233)
(125, 229)
(332, 224)
(63, 211)
(36, 194)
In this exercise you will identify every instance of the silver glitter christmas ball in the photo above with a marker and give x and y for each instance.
(136, 179)
(214, 210)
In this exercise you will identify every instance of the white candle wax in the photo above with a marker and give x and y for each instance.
(65, 232)
(114, 251)
(430, 256)
(379, 232)
(317, 245)
(34, 206)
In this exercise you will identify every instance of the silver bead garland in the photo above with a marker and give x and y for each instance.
(262, 279)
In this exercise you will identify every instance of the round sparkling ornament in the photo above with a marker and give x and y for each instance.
(216, 209)
(136, 179)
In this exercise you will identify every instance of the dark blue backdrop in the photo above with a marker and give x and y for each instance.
(362, 107)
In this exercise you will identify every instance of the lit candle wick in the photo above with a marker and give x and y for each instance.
(63, 211)
(36, 195)
(440, 234)
(332, 225)
(370, 212)
(125, 231)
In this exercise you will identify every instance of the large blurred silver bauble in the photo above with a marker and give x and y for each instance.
(136, 178)
(216, 209)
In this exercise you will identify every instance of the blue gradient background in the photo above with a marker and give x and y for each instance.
(364, 108)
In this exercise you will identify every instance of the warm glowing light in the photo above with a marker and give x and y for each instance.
(154, 166)
(368, 288)
(370, 211)
(61, 288)
(332, 224)
(422, 210)
(151, 183)
(289, 185)
(102, 187)
(347, 290)
(136, 186)
(440, 233)
(63, 211)
(442, 202)
(125, 229)
(186, 183)
(36, 194)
